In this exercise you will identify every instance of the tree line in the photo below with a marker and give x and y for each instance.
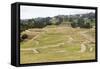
(78, 20)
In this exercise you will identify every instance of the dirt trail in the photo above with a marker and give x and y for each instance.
(90, 39)
(46, 46)
(34, 50)
(43, 47)
(83, 48)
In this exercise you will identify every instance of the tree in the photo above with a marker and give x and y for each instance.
(81, 22)
(74, 23)
(47, 20)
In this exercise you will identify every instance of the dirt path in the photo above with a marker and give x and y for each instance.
(46, 46)
(83, 46)
(43, 47)
(34, 50)
(89, 38)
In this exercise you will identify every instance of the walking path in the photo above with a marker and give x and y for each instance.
(83, 46)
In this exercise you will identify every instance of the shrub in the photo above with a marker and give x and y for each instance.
(88, 25)
(74, 25)
(24, 36)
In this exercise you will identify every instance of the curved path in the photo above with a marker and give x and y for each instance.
(83, 46)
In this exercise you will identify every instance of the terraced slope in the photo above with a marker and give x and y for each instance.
(57, 43)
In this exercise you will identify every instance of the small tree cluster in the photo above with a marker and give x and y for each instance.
(82, 23)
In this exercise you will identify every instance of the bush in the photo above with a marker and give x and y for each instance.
(88, 25)
(24, 36)
(74, 25)
(82, 23)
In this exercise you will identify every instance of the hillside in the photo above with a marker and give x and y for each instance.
(57, 43)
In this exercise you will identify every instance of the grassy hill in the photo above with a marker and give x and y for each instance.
(57, 43)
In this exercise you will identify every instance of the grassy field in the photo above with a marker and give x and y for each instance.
(57, 43)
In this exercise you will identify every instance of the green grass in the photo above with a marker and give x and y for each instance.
(53, 36)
